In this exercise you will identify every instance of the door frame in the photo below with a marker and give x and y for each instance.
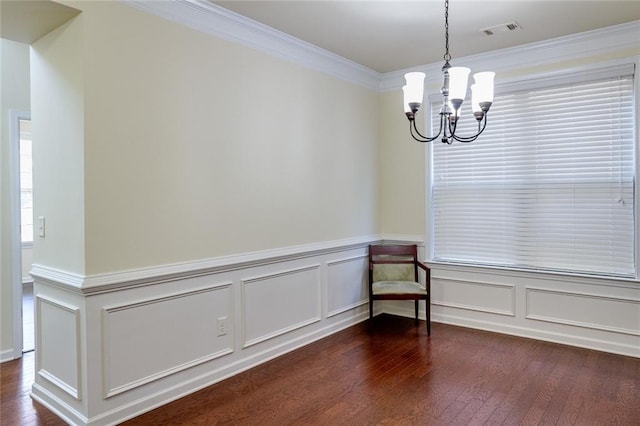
(16, 240)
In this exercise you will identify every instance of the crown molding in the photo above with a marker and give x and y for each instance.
(568, 48)
(212, 19)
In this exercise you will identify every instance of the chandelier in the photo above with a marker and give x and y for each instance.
(453, 91)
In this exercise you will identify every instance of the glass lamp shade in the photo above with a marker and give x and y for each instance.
(405, 100)
(475, 103)
(484, 86)
(458, 77)
(414, 88)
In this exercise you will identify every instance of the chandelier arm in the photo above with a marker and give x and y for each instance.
(421, 138)
(466, 139)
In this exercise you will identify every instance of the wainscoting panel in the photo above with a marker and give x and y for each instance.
(142, 338)
(149, 339)
(58, 344)
(474, 295)
(584, 310)
(279, 302)
(347, 283)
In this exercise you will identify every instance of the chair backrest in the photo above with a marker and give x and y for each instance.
(393, 262)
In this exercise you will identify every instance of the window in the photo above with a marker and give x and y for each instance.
(550, 183)
(26, 182)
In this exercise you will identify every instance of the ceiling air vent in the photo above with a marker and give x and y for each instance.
(511, 26)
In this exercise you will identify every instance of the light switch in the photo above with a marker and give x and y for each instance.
(41, 226)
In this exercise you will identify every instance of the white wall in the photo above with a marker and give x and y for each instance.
(15, 96)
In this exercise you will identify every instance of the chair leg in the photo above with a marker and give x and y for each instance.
(428, 314)
(416, 309)
(370, 308)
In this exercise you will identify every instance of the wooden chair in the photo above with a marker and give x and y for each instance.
(393, 275)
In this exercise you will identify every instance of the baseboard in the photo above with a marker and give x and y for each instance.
(7, 355)
(57, 406)
(531, 333)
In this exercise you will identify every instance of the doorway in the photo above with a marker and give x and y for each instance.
(26, 231)
(22, 230)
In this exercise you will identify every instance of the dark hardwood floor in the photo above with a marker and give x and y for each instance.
(387, 372)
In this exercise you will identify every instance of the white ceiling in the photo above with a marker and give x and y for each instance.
(387, 35)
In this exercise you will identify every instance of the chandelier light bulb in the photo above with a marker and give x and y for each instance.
(475, 103)
(478, 113)
(405, 100)
(484, 83)
(458, 78)
(415, 87)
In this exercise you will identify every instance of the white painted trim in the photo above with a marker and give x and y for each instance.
(76, 391)
(347, 308)
(403, 239)
(209, 18)
(568, 48)
(355, 304)
(16, 243)
(529, 315)
(7, 355)
(511, 312)
(56, 277)
(56, 404)
(109, 391)
(250, 342)
(101, 283)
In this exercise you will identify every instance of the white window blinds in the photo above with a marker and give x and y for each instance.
(549, 185)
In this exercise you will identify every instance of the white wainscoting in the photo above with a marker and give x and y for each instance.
(589, 312)
(164, 325)
(607, 313)
(129, 342)
(475, 296)
(112, 347)
(58, 345)
(280, 302)
(343, 290)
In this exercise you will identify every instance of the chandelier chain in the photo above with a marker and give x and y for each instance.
(447, 56)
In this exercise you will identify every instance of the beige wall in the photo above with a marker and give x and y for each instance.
(193, 147)
(15, 95)
(57, 113)
(402, 171)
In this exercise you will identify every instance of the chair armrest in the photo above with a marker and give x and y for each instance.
(423, 266)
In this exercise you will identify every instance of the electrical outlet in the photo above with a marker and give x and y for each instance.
(222, 326)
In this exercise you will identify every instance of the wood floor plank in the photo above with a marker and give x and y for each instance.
(387, 371)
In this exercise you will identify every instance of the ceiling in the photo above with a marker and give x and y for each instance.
(383, 35)
(388, 35)
(26, 21)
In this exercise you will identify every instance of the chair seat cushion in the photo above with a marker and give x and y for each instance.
(397, 287)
